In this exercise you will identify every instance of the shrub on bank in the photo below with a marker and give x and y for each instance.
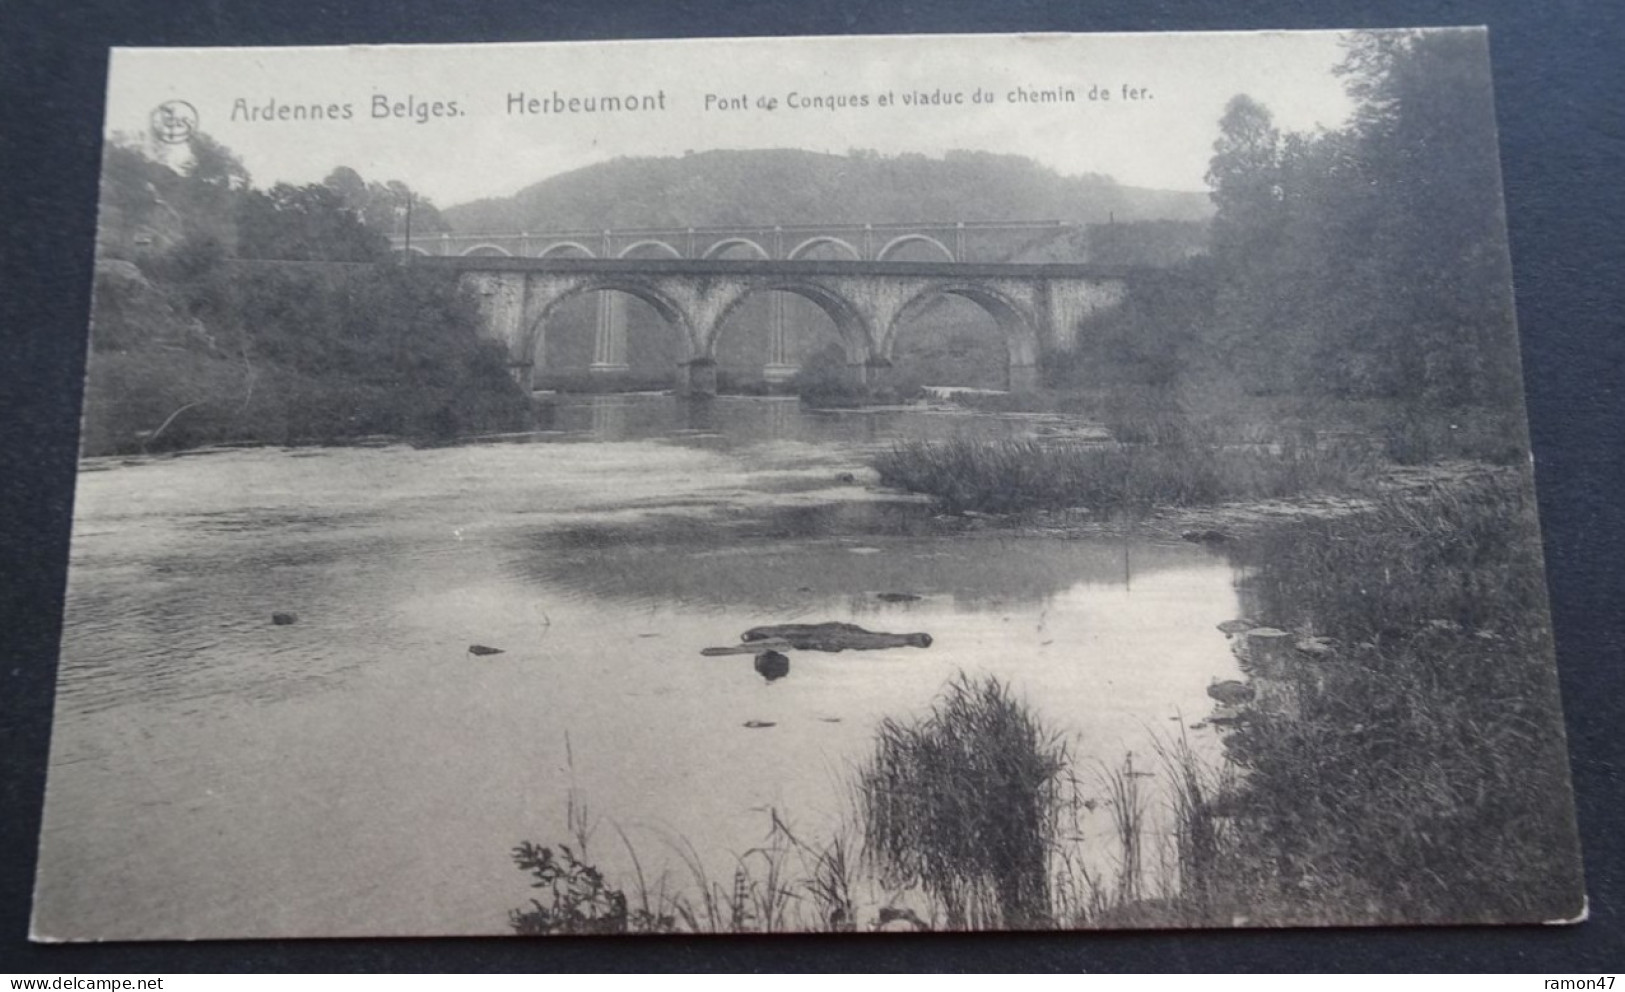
(170, 399)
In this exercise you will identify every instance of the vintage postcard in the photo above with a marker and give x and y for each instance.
(828, 484)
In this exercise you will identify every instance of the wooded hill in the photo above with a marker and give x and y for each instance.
(788, 186)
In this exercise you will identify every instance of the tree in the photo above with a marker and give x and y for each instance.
(1426, 126)
(305, 223)
(1369, 261)
(213, 164)
(349, 185)
(1249, 234)
(1244, 175)
(383, 206)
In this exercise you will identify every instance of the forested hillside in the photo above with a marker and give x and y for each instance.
(787, 186)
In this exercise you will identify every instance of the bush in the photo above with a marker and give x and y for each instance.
(826, 382)
(579, 900)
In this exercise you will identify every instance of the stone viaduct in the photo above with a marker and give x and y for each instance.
(1037, 307)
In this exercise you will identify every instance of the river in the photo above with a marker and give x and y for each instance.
(359, 772)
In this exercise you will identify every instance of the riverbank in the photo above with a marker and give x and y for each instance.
(1392, 753)
(1234, 520)
(1401, 755)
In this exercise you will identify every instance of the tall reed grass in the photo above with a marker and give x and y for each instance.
(964, 804)
(970, 817)
(1014, 475)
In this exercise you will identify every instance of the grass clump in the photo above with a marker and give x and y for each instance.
(1009, 475)
(964, 804)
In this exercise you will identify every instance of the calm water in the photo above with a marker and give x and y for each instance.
(359, 772)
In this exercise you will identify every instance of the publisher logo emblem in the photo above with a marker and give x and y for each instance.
(174, 122)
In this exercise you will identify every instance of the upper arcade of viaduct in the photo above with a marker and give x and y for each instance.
(956, 241)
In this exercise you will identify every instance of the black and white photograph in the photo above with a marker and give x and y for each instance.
(830, 484)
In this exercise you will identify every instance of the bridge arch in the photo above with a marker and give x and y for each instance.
(669, 309)
(905, 239)
(824, 239)
(485, 250)
(716, 250)
(1016, 323)
(562, 246)
(663, 246)
(855, 329)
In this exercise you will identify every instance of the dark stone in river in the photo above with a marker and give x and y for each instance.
(759, 724)
(284, 619)
(482, 650)
(772, 665)
(833, 637)
(897, 597)
(1231, 693)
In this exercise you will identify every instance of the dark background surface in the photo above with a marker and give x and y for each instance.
(1560, 87)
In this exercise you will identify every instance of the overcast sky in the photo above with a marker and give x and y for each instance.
(486, 146)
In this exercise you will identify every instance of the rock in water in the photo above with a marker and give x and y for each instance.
(772, 665)
(754, 647)
(894, 918)
(284, 619)
(481, 650)
(834, 637)
(897, 597)
(759, 724)
(1320, 647)
(1231, 692)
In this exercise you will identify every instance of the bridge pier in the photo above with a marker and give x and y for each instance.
(608, 417)
(697, 377)
(609, 342)
(778, 368)
(699, 413)
(1023, 378)
(875, 373)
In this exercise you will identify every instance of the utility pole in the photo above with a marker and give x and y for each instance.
(406, 252)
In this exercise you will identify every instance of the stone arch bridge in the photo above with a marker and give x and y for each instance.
(1037, 307)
